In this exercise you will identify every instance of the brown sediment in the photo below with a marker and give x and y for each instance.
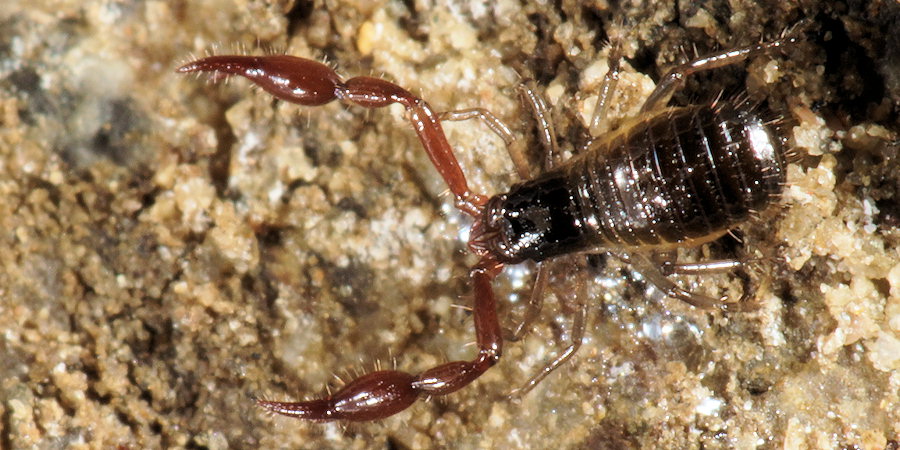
(174, 251)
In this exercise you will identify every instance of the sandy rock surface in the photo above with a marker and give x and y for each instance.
(174, 248)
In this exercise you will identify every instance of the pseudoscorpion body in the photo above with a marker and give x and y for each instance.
(672, 177)
(687, 175)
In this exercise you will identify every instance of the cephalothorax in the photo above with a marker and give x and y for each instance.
(673, 177)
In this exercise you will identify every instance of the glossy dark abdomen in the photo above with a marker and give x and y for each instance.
(684, 176)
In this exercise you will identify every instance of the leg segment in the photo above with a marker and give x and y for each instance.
(381, 394)
(675, 77)
(646, 267)
(535, 302)
(702, 268)
(311, 83)
(513, 145)
(607, 89)
(658, 267)
(541, 114)
(493, 122)
(578, 326)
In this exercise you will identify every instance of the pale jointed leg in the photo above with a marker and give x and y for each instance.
(542, 115)
(702, 268)
(513, 145)
(607, 89)
(675, 77)
(652, 273)
(535, 302)
(668, 266)
(577, 333)
(656, 269)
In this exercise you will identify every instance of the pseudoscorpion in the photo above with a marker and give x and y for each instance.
(671, 177)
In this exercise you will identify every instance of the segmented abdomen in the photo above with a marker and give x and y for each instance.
(687, 174)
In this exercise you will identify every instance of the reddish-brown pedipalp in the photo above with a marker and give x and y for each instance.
(383, 393)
